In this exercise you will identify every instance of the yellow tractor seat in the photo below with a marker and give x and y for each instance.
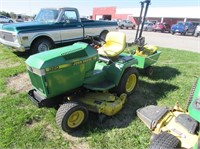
(115, 44)
(148, 50)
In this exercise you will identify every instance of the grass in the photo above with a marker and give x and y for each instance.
(22, 125)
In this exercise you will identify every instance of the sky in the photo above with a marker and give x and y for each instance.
(85, 7)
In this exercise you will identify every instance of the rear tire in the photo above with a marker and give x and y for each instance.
(70, 116)
(41, 45)
(165, 140)
(128, 82)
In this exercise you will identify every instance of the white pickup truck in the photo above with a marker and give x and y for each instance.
(50, 28)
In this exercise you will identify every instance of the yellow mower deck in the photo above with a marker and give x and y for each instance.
(168, 124)
(104, 103)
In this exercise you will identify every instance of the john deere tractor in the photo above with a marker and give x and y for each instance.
(174, 128)
(85, 77)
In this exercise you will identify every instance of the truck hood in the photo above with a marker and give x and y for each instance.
(26, 26)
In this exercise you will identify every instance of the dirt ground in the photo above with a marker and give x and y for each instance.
(20, 83)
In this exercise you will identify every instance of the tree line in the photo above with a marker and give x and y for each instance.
(12, 15)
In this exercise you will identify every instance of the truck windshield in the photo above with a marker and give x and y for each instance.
(47, 15)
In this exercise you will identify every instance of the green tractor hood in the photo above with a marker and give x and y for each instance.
(61, 70)
(194, 107)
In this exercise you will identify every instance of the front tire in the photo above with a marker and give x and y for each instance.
(70, 116)
(41, 45)
(128, 82)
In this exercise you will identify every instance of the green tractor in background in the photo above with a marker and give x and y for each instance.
(174, 128)
(81, 77)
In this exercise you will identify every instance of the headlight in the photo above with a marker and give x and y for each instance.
(16, 39)
(40, 72)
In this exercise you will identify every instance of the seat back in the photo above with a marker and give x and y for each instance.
(115, 44)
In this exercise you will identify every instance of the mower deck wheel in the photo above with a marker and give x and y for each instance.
(165, 140)
(70, 116)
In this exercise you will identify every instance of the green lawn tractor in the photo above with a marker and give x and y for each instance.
(174, 128)
(80, 78)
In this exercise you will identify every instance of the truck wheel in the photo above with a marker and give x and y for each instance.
(165, 140)
(173, 33)
(41, 45)
(128, 82)
(70, 116)
(191, 94)
(10, 21)
(196, 35)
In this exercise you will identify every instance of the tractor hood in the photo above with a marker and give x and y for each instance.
(27, 26)
(151, 115)
(194, 107)
(69, 55)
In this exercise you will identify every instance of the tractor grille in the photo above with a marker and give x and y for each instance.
(6, 36)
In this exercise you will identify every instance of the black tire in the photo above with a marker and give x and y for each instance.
(165, 141)
(149, 71)
(41, 45)
(128, 82)
(173, 33)
(191, 95)
(74, 111)
(10, 21)
(196, 35)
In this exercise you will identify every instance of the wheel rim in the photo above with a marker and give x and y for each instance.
(75, 119)
(43, 47)
(131, 82)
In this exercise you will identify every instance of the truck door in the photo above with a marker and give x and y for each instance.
(72, 28)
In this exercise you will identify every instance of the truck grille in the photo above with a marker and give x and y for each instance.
(6, 36)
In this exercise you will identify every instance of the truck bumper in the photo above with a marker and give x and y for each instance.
(13, 45)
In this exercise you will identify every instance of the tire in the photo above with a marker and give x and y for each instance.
(70, 116)
(165, 141)
(122, 27)
(196, 35)
(10, 21)
(128, 82)
(191, 95)
(41, 45)
(173, 33)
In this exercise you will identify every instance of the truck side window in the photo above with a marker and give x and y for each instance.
(69, 16)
